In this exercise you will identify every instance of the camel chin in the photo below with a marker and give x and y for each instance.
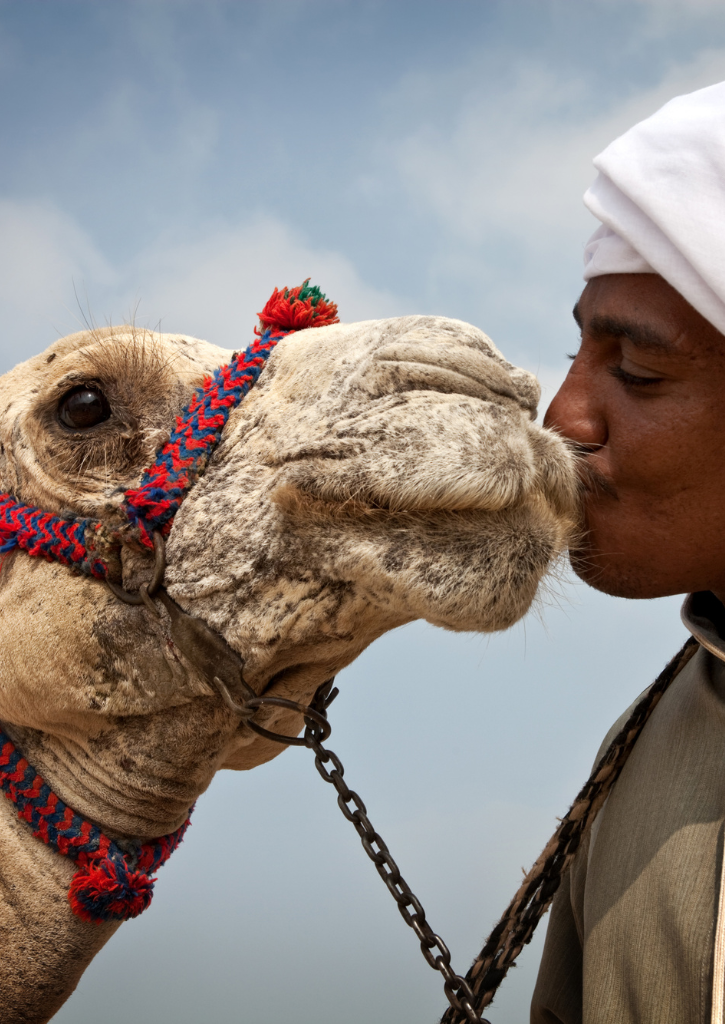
(377, 473)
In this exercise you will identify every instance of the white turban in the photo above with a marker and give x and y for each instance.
(660, 195)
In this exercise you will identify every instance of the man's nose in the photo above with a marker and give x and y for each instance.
(575, 412)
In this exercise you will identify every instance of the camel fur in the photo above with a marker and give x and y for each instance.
(377, 473)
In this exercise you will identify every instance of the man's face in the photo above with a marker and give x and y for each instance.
(645, 400)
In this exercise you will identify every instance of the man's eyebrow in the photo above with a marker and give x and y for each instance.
(641, 335)
(577, 315)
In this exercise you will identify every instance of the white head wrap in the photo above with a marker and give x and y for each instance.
(660, 195)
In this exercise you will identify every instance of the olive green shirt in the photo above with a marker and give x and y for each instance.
(637, 929)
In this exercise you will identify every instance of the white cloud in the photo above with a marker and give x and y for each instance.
(43, 255)
(53, 279)
(517, 163)
(214, 286)
(498, 159)
(689, 6)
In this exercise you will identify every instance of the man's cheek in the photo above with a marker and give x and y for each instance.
(645, 467)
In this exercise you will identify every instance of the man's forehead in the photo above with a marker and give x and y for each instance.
(639, 332)
(647, 312)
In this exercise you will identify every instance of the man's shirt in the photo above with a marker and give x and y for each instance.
(637, 929)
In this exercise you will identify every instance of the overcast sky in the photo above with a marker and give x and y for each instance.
(173, 162)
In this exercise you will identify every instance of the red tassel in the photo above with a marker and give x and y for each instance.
(294, 309)
(108, 891)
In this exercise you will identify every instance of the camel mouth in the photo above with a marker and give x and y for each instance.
(280, 677)
(447, 374)
(297, 682)
(303, 504)
(450, 364)
(433, 375)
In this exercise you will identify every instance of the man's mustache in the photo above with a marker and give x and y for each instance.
(593, 481)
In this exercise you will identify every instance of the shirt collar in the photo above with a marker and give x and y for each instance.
(704, 616)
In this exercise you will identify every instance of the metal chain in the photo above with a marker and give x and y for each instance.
(214, 658)
(433, 948)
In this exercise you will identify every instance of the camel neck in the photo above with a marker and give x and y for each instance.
(137, 781)
(46, 947)
(110, 883)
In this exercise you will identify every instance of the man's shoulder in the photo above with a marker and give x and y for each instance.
(688, 664)
(619, 725)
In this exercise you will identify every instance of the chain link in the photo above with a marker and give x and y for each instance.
(188, 634)
(436, 953)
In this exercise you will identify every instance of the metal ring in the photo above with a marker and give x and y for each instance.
(137, 597)
(239, 709)
(123, 595)
(159, 563)
(148, 600)
(291, 741)
(303, 709)
(249, 707)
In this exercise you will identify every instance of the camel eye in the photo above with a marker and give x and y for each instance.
(83, 407)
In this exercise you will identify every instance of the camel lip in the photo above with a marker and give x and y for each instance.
(455, 372)
(279, 677)
(287, 673)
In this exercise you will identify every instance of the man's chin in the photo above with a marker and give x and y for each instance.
(611, 577)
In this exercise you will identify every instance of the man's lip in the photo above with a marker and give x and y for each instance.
(594, 482)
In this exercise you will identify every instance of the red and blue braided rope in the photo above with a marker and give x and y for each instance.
(153, 504)
(125, 891)
(106, 887)
(45, 535)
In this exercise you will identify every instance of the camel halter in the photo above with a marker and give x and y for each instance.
(113, 884)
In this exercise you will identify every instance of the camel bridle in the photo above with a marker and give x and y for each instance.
(114, 883)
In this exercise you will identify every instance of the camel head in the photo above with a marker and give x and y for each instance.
(377, 473)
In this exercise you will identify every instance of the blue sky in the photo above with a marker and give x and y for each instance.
(174, 161)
